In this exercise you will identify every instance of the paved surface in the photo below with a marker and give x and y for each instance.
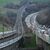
(19, 24)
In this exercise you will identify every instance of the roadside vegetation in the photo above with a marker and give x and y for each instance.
(31, 44)
(1, 28)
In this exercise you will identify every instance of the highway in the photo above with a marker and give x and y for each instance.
(10, 37)
(30, 19)
(34, 26)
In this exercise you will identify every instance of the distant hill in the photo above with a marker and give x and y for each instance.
(43, 18)
(3, 2)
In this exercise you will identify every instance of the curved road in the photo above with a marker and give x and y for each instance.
(19, 30)
(31, 23)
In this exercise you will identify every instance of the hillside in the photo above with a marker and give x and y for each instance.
(3, 2)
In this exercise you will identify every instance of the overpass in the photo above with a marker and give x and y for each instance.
(41, 39)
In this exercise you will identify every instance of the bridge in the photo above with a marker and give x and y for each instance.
(41, 39)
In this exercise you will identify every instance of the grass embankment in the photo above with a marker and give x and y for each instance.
(1, 28)
(32, 44)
